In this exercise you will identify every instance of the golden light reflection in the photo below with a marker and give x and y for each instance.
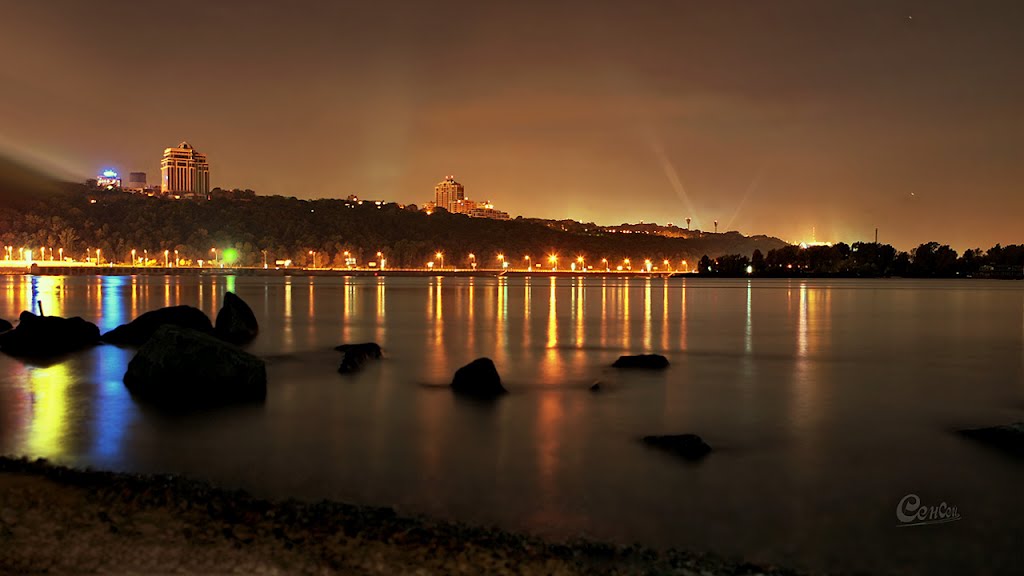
(135, 297)
(682, 318)
(664, 314)
(49, 410)
(604, 312)
(552, 320)
(579, 310)
(549, 424)
(288, 336)
(647, 315)
(470, 312)
(381, 309)
(527, 290)
(500, 325)
(748, 335)
(625, 315)
(312, 301)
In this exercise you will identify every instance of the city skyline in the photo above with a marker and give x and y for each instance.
(901, 117)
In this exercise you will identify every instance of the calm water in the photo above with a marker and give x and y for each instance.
(826, 402)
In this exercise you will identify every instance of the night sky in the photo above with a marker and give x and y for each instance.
(772, 117)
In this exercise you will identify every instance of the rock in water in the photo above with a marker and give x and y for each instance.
(235, 322)
(5, 325)
(478, 378)
(356, 355)
(180, 367)
(370, 349)
(1009, 437)
(647, 361)
(688, 446)
(48, 336)
(138, 331)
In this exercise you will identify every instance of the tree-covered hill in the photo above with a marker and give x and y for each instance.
(290, 228)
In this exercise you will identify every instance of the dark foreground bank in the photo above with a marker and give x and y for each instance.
(60, 520)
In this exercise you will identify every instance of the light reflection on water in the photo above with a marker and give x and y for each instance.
(826, 402)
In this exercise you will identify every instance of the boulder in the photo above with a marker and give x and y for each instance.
(180, 367)
(48, 336)
(1009, 437)
(370, 349)
(356, 355)
(688, 446)
(645, 361)
(5, 325)
(235, 322)
(479, 378)
(138, 331)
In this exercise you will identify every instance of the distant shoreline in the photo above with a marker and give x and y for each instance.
(59, 519)
(121, 270)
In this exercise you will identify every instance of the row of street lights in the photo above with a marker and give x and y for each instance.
(503, 263)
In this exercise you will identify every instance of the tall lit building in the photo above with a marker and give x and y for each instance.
(184, 172)
(448, 194)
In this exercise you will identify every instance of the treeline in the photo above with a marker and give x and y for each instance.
(871, 260)
(299, 230)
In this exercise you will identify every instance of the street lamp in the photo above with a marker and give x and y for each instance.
(61, 252)
(348, 263)
(667, 267)
(440, 256)
(647, 264)
(133, 257)
(313, 254)
(685, 265)
(380, 260)
(529, 264)
(627, 264)
(607, 268)
(145, 257)
(264, 259)
(553, 259)
(579, 259)
(97, 256)
(176, 259)
(214, 251)
(166, 254)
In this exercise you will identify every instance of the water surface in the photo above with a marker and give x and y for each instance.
(826, 403)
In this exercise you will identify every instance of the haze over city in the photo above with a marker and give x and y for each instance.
(773, 118)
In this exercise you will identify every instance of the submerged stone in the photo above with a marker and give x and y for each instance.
(235, 322)
(479, 378)
(48, 336)
(645, 361)
(687, 446)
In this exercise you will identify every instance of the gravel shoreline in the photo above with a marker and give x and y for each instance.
(61, 520)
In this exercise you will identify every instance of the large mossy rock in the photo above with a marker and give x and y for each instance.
(179, 367)
(686, 446)
(479, 379)
(48, 336)
(642, 361)
(140, 330)
(235, 322)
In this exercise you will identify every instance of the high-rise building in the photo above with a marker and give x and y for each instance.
(184, 172)
(448, 194)
(137, 181)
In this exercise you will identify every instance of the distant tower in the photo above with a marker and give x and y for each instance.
(687, 223)
(137, 181)
(184, 172)
(716, 226)
(448, 194)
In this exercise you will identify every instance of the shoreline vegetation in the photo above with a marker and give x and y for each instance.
(56, 519)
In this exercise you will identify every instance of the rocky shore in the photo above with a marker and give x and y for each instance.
(60, 520)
